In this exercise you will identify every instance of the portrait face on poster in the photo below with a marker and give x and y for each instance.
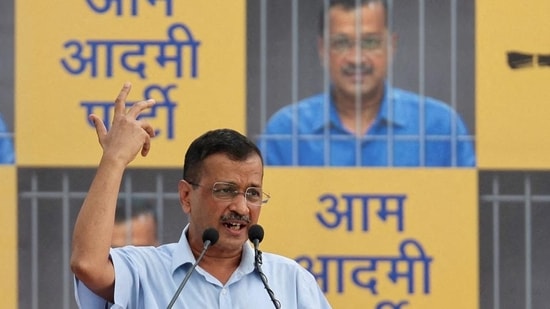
(429, 50)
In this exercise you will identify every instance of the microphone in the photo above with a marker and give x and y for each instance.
(256, 235)
(209, 238)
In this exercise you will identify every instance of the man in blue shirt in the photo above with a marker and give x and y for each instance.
(7, 155)
(221, 189)
(363, 121)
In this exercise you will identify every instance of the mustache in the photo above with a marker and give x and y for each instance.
(235, 217)
(362, 68)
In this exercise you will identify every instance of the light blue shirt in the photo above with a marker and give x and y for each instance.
(7, 155)
(148, 277)
(310, 133)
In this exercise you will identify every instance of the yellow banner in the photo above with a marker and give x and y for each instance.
(379, 238)
(73, 57)
(513, 70)
(8, 241)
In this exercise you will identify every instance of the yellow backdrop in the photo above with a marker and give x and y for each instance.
(512, 98)
(366, 220)
(73, 57)
(331, 216)
(8, 241)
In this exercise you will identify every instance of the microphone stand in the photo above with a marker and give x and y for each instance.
(209, 237)
(258, 266)
(187, 276)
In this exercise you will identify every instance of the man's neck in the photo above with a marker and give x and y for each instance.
(216, 261)
(221, 266)
(349, 107)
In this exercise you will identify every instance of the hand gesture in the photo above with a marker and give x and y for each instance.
(127, 134)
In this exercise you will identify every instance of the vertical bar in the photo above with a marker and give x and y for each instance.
(496, 245)
(263, 68)
(454, 157)
(358, 115)
(294, 78)
(34, 241)
(528, 247)
(326, 83)
(128, 205)
(421, 80)
(390, 47)
(159, 207)
(66, 244)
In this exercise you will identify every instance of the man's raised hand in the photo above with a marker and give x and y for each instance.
(127, 135)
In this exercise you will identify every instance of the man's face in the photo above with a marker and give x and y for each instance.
(230, 217)
(139, 231)
(358, 51)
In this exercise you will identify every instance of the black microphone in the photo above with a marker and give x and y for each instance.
(209, 238)
(256, 235)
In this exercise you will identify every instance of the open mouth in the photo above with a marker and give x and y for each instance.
(235, 222)
(234, 226)
(357, 70)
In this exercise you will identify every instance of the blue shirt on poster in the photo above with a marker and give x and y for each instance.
(310, 133)
(7, 155)
(148, 277)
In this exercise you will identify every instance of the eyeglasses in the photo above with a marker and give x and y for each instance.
(226, 191)
(342, 44)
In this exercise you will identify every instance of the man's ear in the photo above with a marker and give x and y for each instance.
(184, 190)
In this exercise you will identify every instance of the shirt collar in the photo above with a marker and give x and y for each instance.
(247, 262)
(183, 255)
(320, 120)
(397, 116)
(388, 100)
